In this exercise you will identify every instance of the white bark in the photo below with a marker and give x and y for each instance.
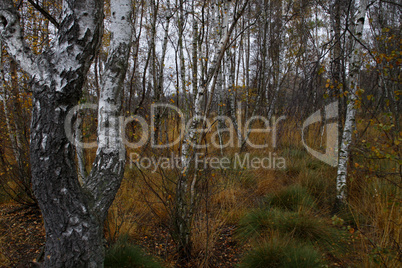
(158, 90)
(73, 214)
(221, 29)
(194, 52)
(4, 98)
(106, 174)
(280, 62)
(181, 48)
(10, 30)
(212, 75)
(355, 63)
(233, 95)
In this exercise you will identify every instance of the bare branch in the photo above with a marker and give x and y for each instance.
(45, 14)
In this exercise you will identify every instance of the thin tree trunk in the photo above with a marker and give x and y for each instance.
(280, 69)
(336, 57)
(185, 189)
(355, 63)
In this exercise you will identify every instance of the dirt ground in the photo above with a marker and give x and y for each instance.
(22, 239)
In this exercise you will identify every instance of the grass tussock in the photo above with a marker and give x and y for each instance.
(292, 198)
(377, 214)
(282, 253)
(123, 254)
(302, 226)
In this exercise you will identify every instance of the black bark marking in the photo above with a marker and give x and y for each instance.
(4, 21)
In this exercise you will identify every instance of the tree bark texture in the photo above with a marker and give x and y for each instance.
(73, 213)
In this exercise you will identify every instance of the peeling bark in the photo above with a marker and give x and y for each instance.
(73, 214)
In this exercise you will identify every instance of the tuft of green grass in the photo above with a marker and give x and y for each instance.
(320, 185)
(294, 152)
(123, 254)
(282, 253)
(292, 198)
(302, 226)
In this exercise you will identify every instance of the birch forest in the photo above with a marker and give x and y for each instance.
(216, 133)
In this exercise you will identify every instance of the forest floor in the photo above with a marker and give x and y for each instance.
(366, 234)
(22, 239)
(22, 235)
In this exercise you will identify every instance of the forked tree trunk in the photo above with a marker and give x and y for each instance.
(73, 213)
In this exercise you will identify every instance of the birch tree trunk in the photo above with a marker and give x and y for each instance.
(355, 63)
(337, 57)
(160, 85)
(180, 25)
(280, 57)
(220, 28)
(185, 189)
(194, 52)
(154, 10)
(73, 213)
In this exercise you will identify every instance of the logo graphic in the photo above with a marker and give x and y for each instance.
(146, 133)
(330, 156)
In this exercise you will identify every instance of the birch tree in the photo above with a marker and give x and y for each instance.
(73, 213)
(354, 65)
(335, 7)
(185, 189)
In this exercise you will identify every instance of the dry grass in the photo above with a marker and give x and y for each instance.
(4, 260)
(145, 200)
(378, 215)
(235, 192)
(205, 233)
(135, 211)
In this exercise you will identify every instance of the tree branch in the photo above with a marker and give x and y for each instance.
(81, 29)
(11, 34)
(108, 167)
(45, 14)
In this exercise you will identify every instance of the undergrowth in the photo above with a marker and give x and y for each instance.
(282, 253)
(123, 254)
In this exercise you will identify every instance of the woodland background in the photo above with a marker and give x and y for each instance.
(283, 58)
